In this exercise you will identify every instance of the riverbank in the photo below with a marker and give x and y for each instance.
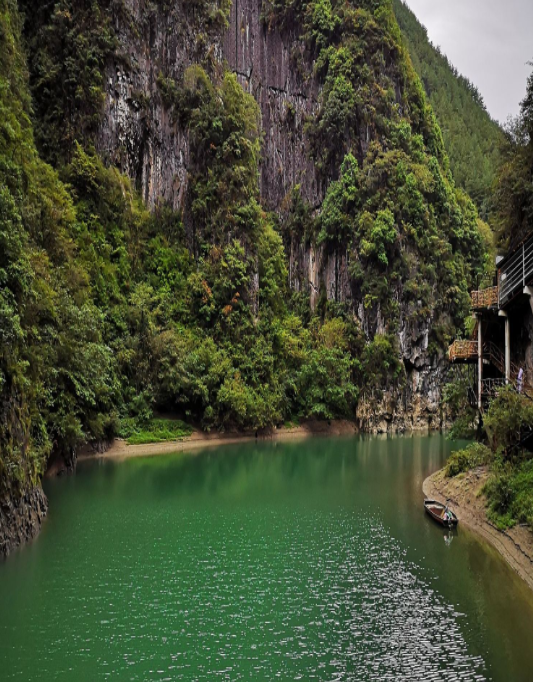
(120, 449)
(466, 499)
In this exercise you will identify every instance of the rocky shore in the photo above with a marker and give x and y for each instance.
(464, 496)
(21, 519)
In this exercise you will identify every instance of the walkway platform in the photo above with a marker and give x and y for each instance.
(515, 278)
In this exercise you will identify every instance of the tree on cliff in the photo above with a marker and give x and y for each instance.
(472, 139)
(514, 187)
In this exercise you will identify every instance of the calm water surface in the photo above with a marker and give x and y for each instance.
(306, 560)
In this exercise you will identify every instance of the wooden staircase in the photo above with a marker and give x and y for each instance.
(467, 352)
(494, 355)
(515, 278)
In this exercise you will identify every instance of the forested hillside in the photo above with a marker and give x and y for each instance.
(472, 139)
(513, 204)
(55, 369)
(112, 310)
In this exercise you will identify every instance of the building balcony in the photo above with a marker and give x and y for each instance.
(486, 298)
(463, 351)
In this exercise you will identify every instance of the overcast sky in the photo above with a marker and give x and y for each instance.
(488, 41)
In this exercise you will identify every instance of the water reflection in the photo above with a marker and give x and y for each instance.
(448, 538)
(310, 560)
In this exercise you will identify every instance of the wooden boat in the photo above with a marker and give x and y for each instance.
(437, 511)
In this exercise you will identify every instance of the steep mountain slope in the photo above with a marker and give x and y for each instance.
(336, 91)
(50, 337)
(471, 138)
(513, 211)
(251, 218)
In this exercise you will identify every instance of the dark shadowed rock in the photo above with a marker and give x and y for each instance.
(21, 519)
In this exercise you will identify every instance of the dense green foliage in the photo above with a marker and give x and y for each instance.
(505, 421)
(471, 138)
(509, 490)
(457, 401)
(510, 494)
(110, 312)
(51, 332)
(107, 313)
(464, 417)
(411, 235)
(473, 456)
(70, 42)
(514, 190)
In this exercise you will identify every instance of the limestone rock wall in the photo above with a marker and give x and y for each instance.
(140, 137)
(137, 133)
(267, 63)
(21, 519)
(416, 407)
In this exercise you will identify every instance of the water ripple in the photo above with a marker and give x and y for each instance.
(177, 587)
(346, 606)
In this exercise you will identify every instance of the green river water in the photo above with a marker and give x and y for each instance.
(307, 560)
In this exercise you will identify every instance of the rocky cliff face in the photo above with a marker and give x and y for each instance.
(21, 518)
(139, 135)
(266, 63)
(417, 407)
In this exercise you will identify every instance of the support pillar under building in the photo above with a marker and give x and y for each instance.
(505, 315)
(528, 291)
(479, 362)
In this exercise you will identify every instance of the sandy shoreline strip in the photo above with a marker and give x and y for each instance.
(463, 492)
(120, 449)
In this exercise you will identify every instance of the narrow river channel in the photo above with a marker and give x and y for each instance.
(302, 560)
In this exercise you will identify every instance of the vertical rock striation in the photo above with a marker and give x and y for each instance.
(140, 135)
(266, 63)
(21, 518)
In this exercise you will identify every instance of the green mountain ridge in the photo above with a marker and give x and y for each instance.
(471, 137)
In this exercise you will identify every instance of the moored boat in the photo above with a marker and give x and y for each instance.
(441, 513)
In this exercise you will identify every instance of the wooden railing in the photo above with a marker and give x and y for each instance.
(462, 350)
(486, 298)
(468, 351)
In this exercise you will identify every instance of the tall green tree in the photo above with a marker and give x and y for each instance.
(471, 137)
(513, 214)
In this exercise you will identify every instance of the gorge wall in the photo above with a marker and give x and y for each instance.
(139, 134)
(185, 161)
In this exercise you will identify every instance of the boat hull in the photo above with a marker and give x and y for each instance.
(436, 511)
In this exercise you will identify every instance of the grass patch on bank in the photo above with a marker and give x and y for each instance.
(509, 490)
(510, 495)
(473, 456)
(155, 431)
